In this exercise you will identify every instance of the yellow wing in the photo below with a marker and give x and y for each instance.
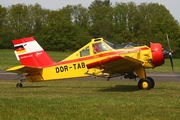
(116, 64)
(23, 69)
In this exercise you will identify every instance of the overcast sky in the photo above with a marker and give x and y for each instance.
(171, 5)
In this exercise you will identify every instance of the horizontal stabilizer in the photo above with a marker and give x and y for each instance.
(23, 69)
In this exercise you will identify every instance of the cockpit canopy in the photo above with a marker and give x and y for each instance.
(122, 45)
(99, 45)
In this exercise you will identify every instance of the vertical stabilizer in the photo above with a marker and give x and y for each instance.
(30, 53)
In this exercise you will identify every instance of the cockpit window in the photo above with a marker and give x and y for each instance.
(100, 47)
(85, 52)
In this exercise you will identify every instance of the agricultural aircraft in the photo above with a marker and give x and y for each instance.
(99, 58)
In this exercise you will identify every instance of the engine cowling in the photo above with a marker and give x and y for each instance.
(157, 54)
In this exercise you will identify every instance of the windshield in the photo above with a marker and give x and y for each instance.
(100, 47)
(122, 45)
(109, 43)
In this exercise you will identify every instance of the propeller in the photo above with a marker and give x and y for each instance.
(170, 52)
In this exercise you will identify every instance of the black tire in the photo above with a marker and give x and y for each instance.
(145, 84)
(19, 85)
(152, 81)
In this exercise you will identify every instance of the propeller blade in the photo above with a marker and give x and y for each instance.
(170, 53)
(168, 42)
(171, 60)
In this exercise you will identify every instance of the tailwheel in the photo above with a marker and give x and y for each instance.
(19, 85)
(145, 84)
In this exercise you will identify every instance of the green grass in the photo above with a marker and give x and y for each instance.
(89, 100)
(8, 59)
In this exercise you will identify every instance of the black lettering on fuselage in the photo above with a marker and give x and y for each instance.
(74, 66)
(83, 65)
(66, 68)
(57, 70)
(61, 69)
(79, 66)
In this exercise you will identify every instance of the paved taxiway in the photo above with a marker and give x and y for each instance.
(174, 77)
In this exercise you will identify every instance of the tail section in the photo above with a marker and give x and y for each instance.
(30, 53)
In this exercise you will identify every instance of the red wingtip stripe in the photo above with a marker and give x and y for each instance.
(22, 40)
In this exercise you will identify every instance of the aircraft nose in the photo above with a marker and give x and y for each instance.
(157, 54)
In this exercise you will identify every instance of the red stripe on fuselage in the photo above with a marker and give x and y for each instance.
(144, 48)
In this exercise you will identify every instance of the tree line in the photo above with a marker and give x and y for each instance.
(71, 27)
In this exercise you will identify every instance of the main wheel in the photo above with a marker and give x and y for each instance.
(19, 85)
(152, 81)
(145, 84)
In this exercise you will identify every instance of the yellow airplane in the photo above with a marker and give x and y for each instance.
(99, 58)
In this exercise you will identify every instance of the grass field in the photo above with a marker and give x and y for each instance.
(89, 100)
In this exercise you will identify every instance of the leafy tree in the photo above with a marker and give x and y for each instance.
(58, 33)
(80, 19)
(3, 43)
(2, 15)
(80, 16)
(37, 18)
(101, 18)
(119, 17)
(71, 27)
(123, 22)
(17, 20)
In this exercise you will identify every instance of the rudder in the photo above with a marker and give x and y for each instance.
(30, 53)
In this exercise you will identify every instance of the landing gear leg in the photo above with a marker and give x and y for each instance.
(145, 83)
(21, 78)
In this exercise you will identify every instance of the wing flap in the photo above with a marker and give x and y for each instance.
(23, 69)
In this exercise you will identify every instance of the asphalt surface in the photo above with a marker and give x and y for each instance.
(168, 77)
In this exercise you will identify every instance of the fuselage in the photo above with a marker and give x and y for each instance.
(75, 65)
